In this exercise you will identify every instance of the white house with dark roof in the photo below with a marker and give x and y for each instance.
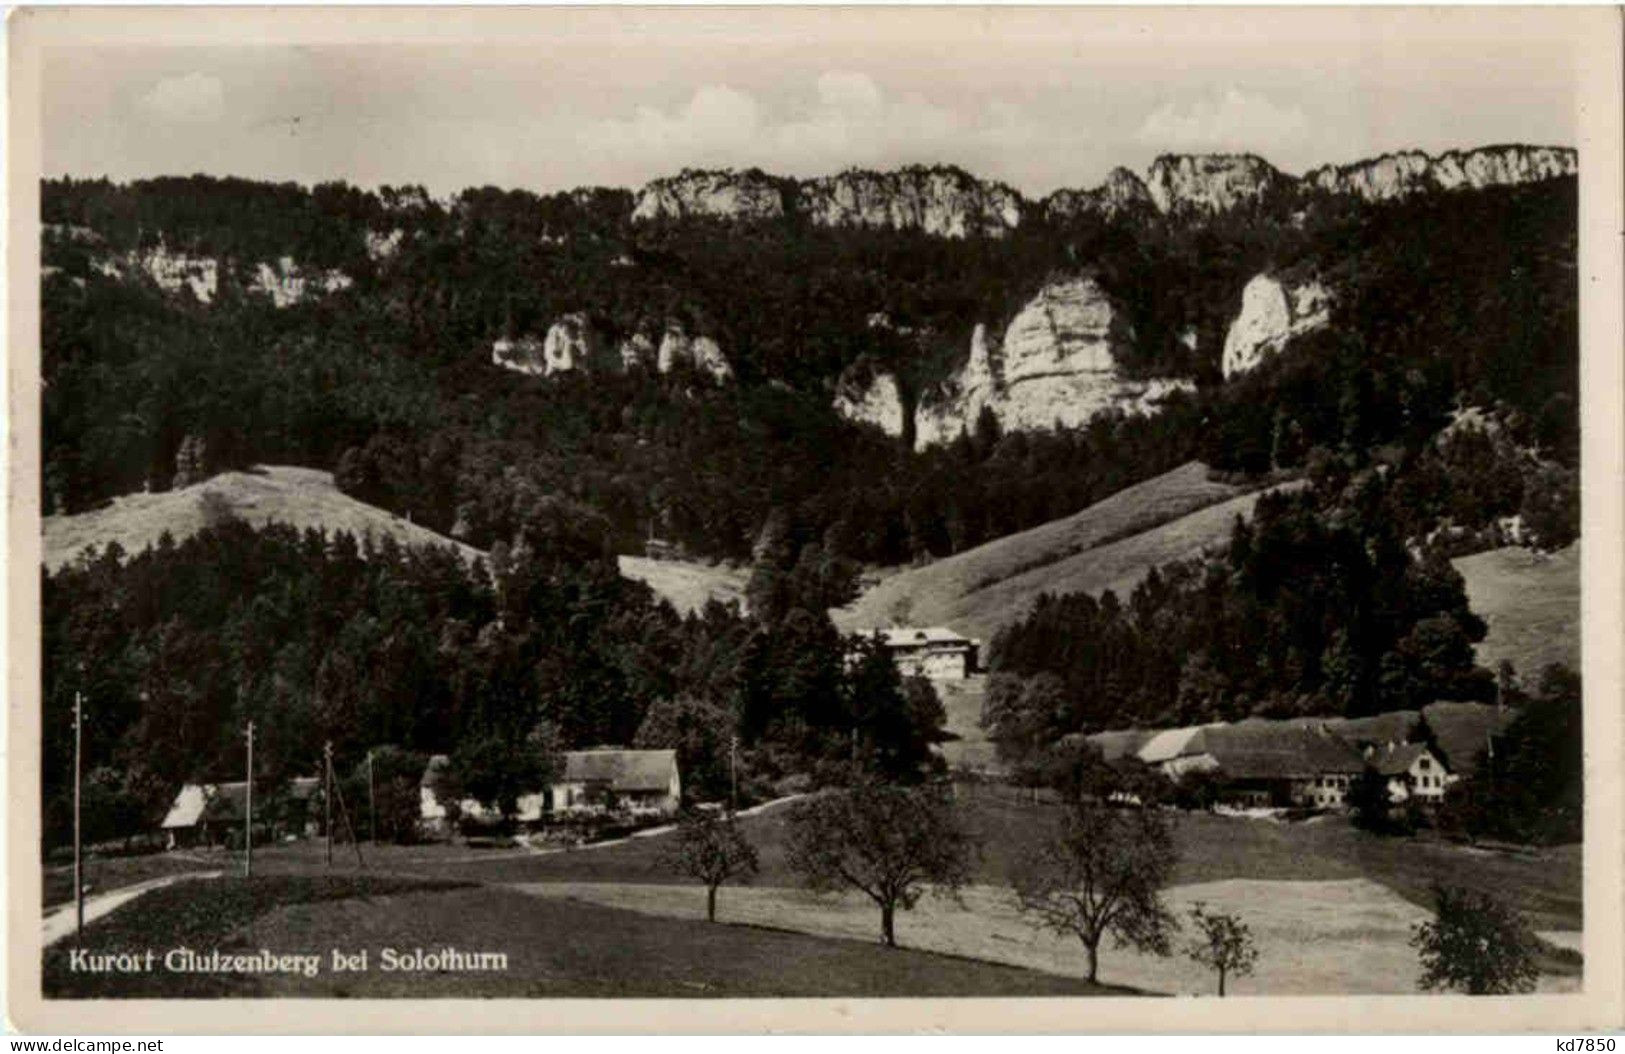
(936, 652)
(1412, 771)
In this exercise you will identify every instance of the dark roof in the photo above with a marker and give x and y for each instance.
(1392, 727)
(1463, 730)
(623, 770)
(1398, 759)
(1279, 750)
(1114, 745)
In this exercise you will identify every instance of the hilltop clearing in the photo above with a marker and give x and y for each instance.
(299, 497)
(1109, 545)
(307, 498)
(1531, 602)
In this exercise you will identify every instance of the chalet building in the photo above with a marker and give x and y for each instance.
(597, 782)
(210, 813)
(1412, 771)
(936, 652)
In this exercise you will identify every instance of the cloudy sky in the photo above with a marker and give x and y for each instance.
(1040, 98)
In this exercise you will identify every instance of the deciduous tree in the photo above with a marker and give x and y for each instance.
(1223, 943)
(1475, 943)
(1101, 872)
(889, 842)
(714, 850)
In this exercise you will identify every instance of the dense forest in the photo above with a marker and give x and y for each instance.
(320, 638)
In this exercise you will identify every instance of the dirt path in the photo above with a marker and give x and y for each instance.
(1314, 938)
(62, 922)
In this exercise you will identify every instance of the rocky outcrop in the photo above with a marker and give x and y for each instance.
(938, 200)
(1210, 183)
(1122, 194)
(1398, 175)
(172, 272)
(573, 344)
(748, 195)
(869, 394)
(1273, 311)
(287, 284)
(678, 348)
(383, 245)
(1055, 364)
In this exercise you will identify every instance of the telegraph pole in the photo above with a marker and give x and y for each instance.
(327, 798)
(733, 773)
(248, 828)
(372, 803)
(78, 838)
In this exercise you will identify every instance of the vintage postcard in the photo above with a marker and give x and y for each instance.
(814, 519)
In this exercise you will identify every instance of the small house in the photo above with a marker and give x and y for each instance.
(208, 813)
(1411, 771)
(641, 782)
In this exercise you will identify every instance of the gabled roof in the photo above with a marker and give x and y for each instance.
(1126, 743)
(622, 770)
(920, 636)
(229, 801)
(1397, 760)
(1172, 743)
(1279, 750)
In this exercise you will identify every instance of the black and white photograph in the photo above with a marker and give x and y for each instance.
(711, 504)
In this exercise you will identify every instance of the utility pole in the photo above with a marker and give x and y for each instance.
(248, 828)
(733, 773)
(78, 838)
(372, 803)
(327, 798)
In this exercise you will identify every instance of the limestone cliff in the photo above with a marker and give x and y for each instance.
(1055, 364)
(1122, 194)
(1397, 175)
(1209, 183)
(1273, 311)
(938, 200)
(725, 194)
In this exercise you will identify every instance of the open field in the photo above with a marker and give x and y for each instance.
(1544, 884)
(1314, 938)
(688, 587)
(553, 948)
(962, 701)
(1532, 604)
(1110, 545)
(935, 593)
(107, 873)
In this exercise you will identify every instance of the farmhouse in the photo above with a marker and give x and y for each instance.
(931, 651)
(204, 813)
(1412, 771)
(591, 782)
(1268, 763)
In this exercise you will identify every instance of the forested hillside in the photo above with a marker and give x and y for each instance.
(1448, 299)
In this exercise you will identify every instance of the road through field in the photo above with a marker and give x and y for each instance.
(62, 922)
(1314, 938)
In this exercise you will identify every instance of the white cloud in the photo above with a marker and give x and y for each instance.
(194, 97)
(716, 123)
(1238, 120)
